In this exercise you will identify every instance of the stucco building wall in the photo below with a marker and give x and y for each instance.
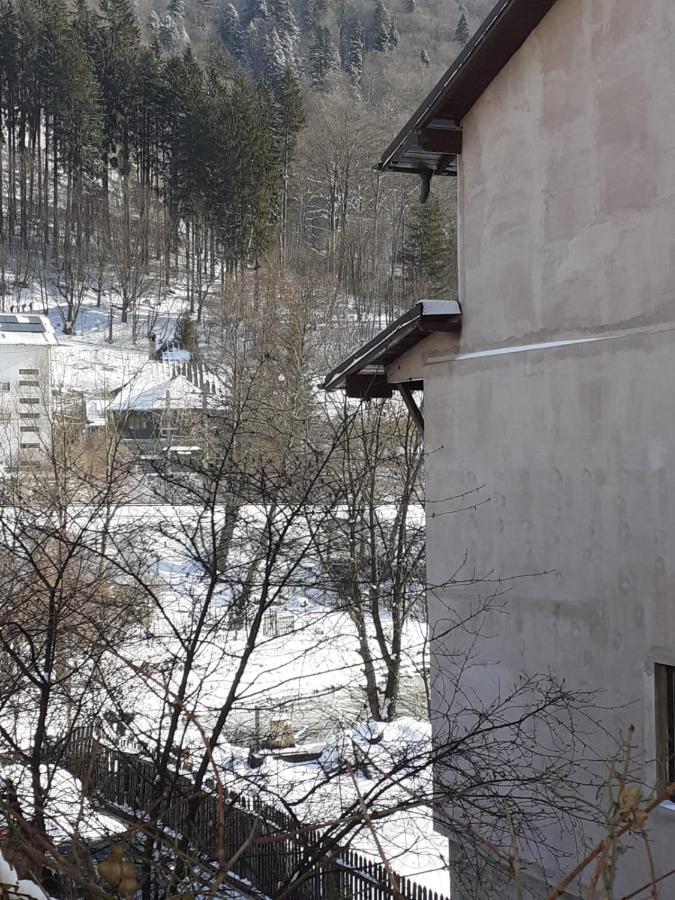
(567, 232)
(567, 178)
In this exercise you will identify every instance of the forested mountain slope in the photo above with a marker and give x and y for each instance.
(159, 143)
(318, 38)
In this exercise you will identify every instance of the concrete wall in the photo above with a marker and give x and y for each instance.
(567, 231)
(567, 456)
(567, 187)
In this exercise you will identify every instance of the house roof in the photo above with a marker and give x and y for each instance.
(23, 330)
(432, 139)
(170, 393)
(363, 373)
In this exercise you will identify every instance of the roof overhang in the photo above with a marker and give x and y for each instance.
(363, 374)
(432, 139)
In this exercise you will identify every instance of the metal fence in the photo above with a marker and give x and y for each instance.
(280, 856)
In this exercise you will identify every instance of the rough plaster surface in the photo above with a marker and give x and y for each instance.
(567, 183)
(567, 229)
(570, 454)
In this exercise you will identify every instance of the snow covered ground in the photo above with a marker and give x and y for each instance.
(68, 812)
(321, 791)
(18, 887)
(306, 670)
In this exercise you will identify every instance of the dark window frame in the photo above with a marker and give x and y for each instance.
(664, 695)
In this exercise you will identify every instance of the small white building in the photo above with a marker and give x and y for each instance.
(26, 343)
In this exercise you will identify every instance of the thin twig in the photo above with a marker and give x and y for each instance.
(667, 794)
(652, 870)
(649, 884)
(369, 823)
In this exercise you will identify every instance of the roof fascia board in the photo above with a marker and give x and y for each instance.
(434, 98)
(367, 361)
(505, 12)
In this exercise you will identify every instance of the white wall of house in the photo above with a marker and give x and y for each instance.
(567, 243)
(25, 401)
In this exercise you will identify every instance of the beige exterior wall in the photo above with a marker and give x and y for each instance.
(567, 206)
(567, 187)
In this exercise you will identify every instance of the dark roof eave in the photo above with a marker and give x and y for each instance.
(502, 33)
(365, 367)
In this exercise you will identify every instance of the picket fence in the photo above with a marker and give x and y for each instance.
(272, 860)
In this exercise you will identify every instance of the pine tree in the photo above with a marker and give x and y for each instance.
(308, 16)
(255, 9)
(282, 14)
(186, 333)
(383, 34)
(176, 8)
(120, 16)
(154, 25)
(291, 120)
(462, 33)
(352, 46)
(231, 32)
(168, 35)
(270, 57)
(428, 249)
(291, 112)
(321, 58)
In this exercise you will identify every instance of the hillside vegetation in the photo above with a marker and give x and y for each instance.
(195, 141)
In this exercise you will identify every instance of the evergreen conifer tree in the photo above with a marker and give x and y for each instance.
(383, 34)
(120, 16)
(255, 9)
(308, 16)
(428, 250)
(186, 332)
(176, 8)
(291, 120)
(168, 34)
(352, 46)
(282, 14)
(462, 33)
(272, 58)
(321, 57)
(231, 32)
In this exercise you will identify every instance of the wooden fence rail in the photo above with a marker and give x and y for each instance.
(276, 855)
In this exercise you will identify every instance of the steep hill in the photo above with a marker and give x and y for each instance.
(405, 44)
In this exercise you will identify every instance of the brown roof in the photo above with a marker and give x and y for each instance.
(432, 139)
(363, 373)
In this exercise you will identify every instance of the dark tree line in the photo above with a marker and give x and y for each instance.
(109, 148)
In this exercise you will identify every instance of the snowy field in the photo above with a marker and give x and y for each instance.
(306, 669)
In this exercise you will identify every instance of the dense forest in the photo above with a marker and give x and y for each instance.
(144, 142)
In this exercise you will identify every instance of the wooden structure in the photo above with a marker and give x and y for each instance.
(280, 852)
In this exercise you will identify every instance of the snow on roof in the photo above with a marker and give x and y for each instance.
(170, 393)
(86, 369)
(21, 330)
